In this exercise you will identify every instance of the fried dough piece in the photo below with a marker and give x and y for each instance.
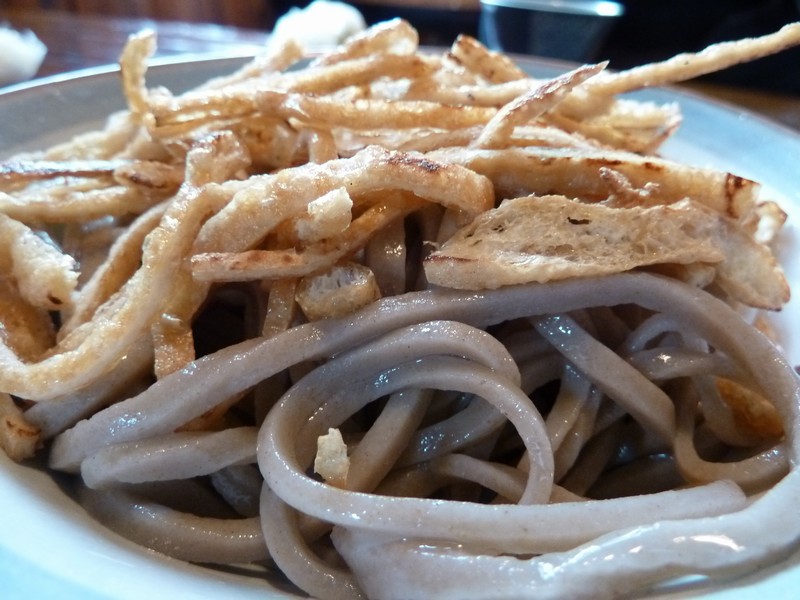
(331, 461)
(341, 290)
(24, 328)
(752, 413)
(495, 67)
(549, 238)
(18, 438)
(574, 172)
(46, 277)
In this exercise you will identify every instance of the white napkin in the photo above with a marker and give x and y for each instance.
(320, 26)
(21, 55)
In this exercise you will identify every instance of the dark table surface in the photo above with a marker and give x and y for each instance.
(79, 41)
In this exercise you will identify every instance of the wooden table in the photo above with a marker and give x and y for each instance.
(75, 42)
(79, 41)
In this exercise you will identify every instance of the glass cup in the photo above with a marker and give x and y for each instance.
(572, 30)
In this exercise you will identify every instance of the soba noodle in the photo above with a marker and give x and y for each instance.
(401, 344)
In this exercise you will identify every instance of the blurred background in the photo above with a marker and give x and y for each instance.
(645, 30)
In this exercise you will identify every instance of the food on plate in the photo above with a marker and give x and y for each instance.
(547, 238)
(401, 323)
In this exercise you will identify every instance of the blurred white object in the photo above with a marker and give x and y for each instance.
(319, 26)
(21, 55)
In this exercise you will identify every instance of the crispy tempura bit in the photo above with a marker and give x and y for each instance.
(27, 330)
(341, 290)
(331, 461)
(18, 438)
(46, 277)
(752, 413)
(495, 67)
(133, 67)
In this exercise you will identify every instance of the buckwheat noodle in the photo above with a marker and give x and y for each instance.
(463, 483)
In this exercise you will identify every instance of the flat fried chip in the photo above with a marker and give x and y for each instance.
(476, 94)
(541, 239)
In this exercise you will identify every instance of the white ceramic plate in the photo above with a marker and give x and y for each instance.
(50, 548)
